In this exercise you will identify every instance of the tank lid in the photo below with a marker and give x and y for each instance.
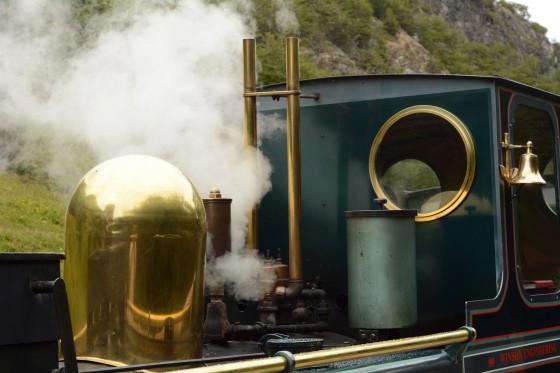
(32, 256)
(380, 213)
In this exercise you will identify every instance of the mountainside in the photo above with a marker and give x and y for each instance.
(75, 81)
(481, 37)
(492, 23)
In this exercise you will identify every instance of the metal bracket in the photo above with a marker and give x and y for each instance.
(58, 289)
(455, 351)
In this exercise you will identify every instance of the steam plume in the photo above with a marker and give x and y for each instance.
(154, 77)
(285, 17)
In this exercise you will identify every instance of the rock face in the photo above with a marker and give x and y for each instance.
(496, 23)
(333, 59)
(408, 56)
(489, 22)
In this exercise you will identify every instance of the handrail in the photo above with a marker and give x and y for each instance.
(284, 361)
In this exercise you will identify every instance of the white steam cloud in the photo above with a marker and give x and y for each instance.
(286, 19)
(153, 77)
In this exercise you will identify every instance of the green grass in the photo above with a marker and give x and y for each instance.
(31, 216)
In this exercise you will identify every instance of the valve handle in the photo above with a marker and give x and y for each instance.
(381, 202)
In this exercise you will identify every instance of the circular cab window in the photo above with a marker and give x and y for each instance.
(422, 159)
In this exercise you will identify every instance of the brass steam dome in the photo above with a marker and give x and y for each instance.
(135, 246)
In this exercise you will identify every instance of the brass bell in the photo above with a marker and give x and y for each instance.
(528, 168)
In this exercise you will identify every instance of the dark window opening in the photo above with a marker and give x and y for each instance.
(537, 222)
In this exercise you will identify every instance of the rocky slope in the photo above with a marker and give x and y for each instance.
(438, 36)
(497, 23)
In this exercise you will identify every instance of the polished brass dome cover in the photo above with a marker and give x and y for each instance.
(135, 246)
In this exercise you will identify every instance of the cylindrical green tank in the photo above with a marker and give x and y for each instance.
(381, 269)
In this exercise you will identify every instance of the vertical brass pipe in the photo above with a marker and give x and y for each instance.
(250, 139)
(294, 160)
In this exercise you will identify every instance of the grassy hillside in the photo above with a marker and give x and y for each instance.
(338, 37)
(31, 216)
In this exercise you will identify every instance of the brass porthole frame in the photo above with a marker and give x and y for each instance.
(469, 147)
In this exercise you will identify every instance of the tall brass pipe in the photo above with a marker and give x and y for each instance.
(334, 355)
(250, 138)
(294, 168)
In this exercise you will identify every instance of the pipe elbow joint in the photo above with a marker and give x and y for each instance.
(292, 291)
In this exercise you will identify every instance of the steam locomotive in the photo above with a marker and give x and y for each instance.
(414, 242)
